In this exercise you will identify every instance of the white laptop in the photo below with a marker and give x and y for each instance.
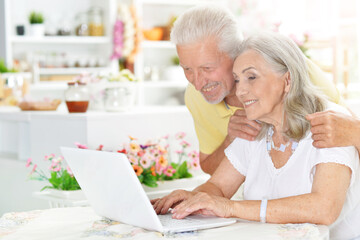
(114, 191)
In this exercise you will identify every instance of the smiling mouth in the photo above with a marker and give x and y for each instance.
(250, 102)
(209, 88)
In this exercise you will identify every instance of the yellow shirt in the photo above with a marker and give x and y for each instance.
(211, 120)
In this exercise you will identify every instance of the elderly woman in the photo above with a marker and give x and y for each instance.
(286, 179)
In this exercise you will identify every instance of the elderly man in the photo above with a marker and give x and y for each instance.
(205, 38)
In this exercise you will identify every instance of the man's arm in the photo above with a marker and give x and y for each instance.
(334, 129)
(239, 126)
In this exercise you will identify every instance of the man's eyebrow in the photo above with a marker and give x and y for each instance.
(202, 65)
(247, 69)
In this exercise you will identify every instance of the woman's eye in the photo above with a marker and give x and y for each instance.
(251, 77)
(237, 80)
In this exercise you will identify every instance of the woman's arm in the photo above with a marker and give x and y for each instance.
(322, 206)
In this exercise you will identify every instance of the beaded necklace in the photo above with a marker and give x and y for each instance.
(270, 143)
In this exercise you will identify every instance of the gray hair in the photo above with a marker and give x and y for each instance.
(201, 22)
(283, 55)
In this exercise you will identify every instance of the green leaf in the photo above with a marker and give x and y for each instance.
(150, 180)
(141, 178)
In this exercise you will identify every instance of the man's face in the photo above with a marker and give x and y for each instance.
(209, 70)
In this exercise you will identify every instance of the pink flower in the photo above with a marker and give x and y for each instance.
(179, 151)
(193, 155)
(159, 168)
(29, 162)
(57, 160)
(195, 165)
(145, 163)
(69, 171)
(161, 149)
(57, 169)
(307, 34)
(296, 40)
(185, 144)
(169, 171)
(180, 135)
(133, 160)
(82, 146)
(34, 169)
(49, 157)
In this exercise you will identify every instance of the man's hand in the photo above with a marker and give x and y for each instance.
(334, 129)
(241, 127)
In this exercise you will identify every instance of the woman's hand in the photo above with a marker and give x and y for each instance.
(162, 205)
(206, 204)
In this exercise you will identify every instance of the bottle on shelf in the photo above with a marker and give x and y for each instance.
(77, 97)
(96, 24)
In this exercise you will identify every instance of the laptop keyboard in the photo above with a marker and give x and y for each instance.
(168, 221)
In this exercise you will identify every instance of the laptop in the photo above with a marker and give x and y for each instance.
(114, 191)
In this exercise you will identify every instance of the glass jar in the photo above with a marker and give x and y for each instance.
(82, 28)
(77, 97)
(96, 24)
(118, 99)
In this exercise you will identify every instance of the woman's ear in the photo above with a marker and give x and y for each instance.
(287, 82)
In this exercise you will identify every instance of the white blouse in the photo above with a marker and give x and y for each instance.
(263, 180)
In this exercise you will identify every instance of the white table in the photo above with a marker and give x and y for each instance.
(83, 223)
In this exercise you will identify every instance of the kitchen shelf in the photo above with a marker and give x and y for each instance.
(176, 2)
(72, 71)
(165, 84)
(61, 40)
(49, 85)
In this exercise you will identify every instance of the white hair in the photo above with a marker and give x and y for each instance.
(203, 22)
(283, 55)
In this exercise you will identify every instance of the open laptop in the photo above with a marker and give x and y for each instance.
(114, 191)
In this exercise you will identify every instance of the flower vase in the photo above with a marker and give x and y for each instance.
(120, 97)
(64, 194)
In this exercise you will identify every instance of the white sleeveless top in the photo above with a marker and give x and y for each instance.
(263, 180)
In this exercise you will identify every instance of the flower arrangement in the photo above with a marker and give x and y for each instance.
(153, 161)
(61, 177)
(124, 75)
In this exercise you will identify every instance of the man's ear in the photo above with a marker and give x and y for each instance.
(287, 82)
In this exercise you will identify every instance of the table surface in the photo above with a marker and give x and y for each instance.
(82, 222)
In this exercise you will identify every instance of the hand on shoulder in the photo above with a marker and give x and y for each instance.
(334, 129)
(241, 127)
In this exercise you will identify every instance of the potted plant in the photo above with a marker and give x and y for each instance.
(62, 182)
(36, 21)
(157, 163)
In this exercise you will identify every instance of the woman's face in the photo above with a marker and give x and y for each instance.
(260, 88)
